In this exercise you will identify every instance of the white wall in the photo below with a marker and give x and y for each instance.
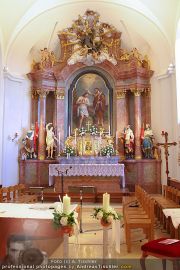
(16, 119)
(1, 112)
(164, 118)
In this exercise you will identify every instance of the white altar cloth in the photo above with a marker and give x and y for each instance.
(35, 211)
(86, 170)
(174, 213)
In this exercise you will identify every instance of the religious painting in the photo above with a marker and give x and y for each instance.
(90, 103)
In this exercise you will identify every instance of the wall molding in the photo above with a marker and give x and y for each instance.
(14, 77)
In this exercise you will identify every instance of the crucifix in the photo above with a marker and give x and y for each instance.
(88, 125)
(166, 145)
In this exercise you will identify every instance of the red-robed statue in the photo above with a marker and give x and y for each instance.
(99, 103)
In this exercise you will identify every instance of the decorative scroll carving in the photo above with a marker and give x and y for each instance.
(121, 93)
(34, 94)
(89, 41)
(59, 93)
(42, 93)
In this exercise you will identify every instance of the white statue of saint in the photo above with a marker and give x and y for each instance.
(50, 140)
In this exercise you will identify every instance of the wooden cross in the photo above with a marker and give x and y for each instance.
(166, 145)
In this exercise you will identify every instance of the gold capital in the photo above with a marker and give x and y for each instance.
(137, 91)
(59, 93)
(121, 93)
(42, 93)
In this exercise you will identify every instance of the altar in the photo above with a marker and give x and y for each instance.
(104, 177)
(90, 107)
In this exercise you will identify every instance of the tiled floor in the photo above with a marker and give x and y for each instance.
(89, 244)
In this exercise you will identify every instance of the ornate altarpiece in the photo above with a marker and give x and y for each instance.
(86, 52)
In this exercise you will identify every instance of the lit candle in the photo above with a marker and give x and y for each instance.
(106, 200)
(66, 204)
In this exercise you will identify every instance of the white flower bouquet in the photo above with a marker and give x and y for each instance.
(106, 216)
(108, 150)
(82, 131)
(93, 130)
(69, 150)
(62, 219)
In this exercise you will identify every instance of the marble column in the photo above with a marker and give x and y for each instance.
(148, 105)
(34, 107)
(59, 112)
(122, 118)
(137, 122)
(42, 122)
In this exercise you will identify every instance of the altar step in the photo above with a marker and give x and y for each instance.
(50, 196)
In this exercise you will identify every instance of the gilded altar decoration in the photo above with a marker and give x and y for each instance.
(90, 41)
(47, 60)
(92, 141)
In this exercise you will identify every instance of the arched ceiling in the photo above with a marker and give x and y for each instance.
(28, 26)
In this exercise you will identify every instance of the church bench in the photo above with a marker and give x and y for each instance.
(144, 221)
(174, 183)
(169, 199)
(141, 215)
(16, 194)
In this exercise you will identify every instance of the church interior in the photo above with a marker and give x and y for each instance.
(90, 134)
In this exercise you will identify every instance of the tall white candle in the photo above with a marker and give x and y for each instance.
(75, 136)
(59, 135)
(106, 200)
(116, 137)
(66, 204)
(109, 130)
(69, 131)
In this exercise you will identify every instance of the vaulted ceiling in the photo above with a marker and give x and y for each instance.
(28, 26)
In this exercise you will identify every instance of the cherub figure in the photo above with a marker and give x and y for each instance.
(52, 58)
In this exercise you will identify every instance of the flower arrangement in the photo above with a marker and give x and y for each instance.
(62, 219)
(106, 216)
(108, 150)
(82, 131)
(93, 130)
(69, 150)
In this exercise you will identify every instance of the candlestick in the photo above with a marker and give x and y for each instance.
(109, 130)
(106, 200)
(75, 136)
(66, 204)
(59, 139)
(116, 137)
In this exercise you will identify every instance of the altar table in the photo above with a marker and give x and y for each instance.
(105, 170)
(32, 220)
